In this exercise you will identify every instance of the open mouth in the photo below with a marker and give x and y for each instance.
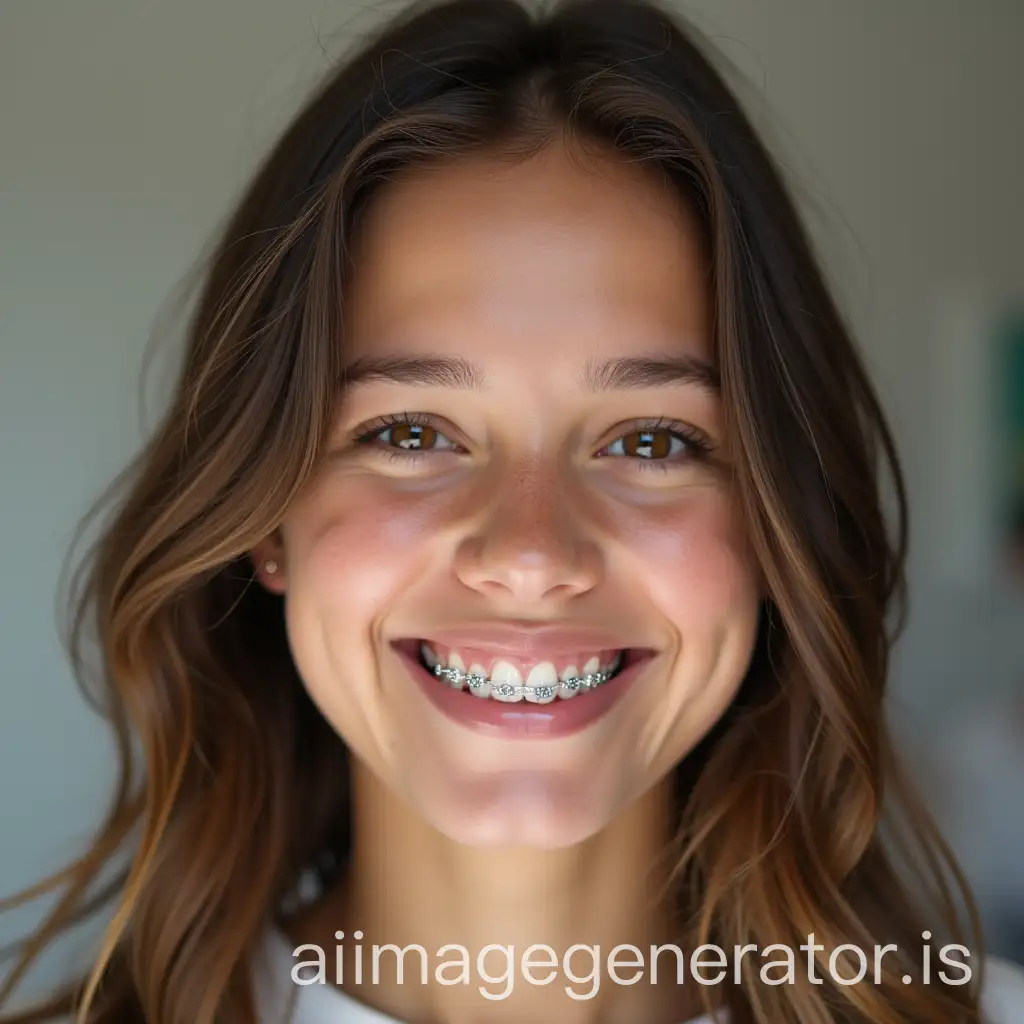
(517, 686)
(513, 680)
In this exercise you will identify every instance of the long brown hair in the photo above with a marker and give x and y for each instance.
(780, 808)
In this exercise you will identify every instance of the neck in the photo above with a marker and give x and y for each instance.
(408, 885)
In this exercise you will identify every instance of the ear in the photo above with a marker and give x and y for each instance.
(268, 559)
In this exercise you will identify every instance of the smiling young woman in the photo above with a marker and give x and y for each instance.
(510, 568)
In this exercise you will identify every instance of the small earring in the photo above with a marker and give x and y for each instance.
(270, 567)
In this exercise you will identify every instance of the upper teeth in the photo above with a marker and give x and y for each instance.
(505, 682)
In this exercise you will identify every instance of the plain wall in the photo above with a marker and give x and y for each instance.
(127, 127)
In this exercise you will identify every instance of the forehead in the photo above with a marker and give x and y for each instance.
(553, 259)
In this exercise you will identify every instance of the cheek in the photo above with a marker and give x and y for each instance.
(693, 565)
(355, 548)
(693, 559)
(352, 552)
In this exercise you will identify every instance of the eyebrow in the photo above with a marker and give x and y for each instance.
(619, 374)
(650, 372)
(421, 371)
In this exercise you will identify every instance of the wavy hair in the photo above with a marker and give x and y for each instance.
(780, 808)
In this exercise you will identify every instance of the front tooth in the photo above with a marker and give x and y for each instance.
(428, 655)
(565, 692)
(454, 661)
(544, 675)
(484, 688)
(505, 681)
(593, 665)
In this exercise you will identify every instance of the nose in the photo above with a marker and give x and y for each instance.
(530, 548)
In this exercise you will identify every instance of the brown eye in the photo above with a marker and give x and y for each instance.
(648, 444)
(662, 447)
(409, 436)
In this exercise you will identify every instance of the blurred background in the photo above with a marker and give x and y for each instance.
(128, 127)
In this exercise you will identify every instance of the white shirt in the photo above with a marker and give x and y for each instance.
(276, 994)
(328, 1004)
(1002, 998)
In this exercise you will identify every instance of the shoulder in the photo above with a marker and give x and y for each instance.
(1002, 997)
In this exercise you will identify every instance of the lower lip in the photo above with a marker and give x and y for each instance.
(523, 720)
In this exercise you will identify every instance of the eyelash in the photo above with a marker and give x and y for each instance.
(695, 439)
(698, 442)
(368, 435)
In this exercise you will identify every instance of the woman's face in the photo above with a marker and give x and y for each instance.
(528, 482)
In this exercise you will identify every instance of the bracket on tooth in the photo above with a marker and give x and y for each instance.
(586, 682)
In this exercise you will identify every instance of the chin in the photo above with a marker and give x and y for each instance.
(523, 808)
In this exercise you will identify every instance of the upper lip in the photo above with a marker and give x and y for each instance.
(527, 640)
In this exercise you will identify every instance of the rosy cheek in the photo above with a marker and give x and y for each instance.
(359, 546)
(692, 557)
